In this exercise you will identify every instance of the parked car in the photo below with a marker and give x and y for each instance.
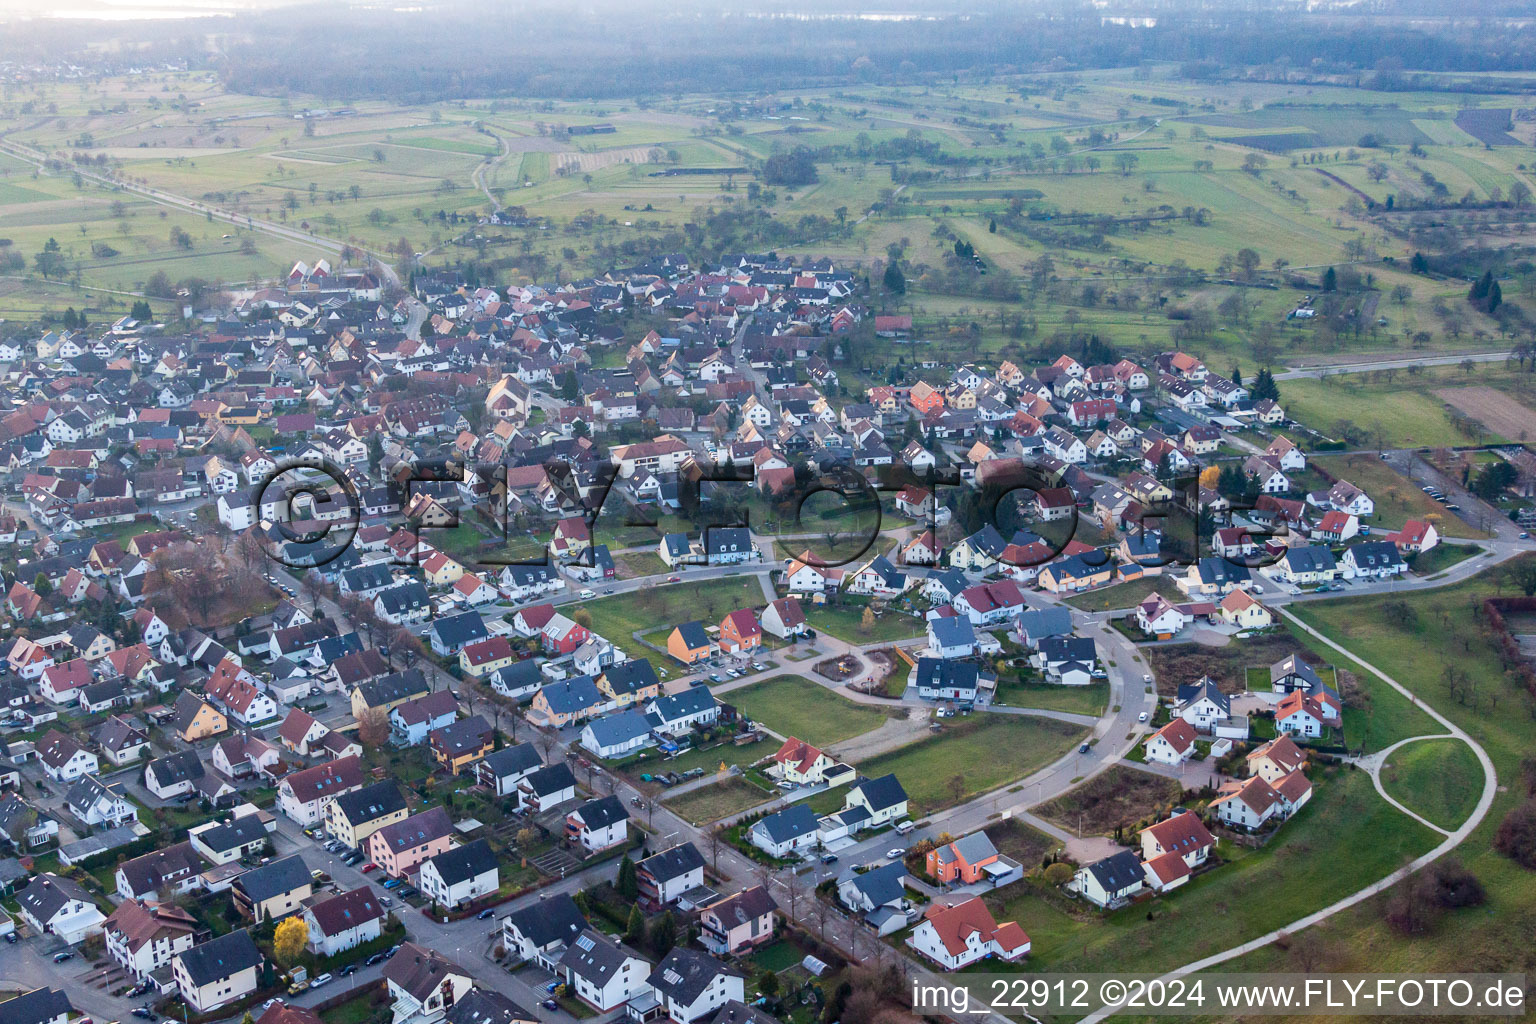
(143, 1013)
(486, 913)
(59, 958)
(324, 979)
(1083, 749)
(348, 971)
(370, 866)
(550, 1004)
(829, 858)
(377, 958)
(1141, 717)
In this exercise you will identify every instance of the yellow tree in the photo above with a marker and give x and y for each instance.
(289, 940)
(1210, 476)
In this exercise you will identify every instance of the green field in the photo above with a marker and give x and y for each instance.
(795, 706)
(973, 755)
(618, 617)
(1083, 700)
(1439, 779)
(1126, 595)
(846, 622)
(1345, 837)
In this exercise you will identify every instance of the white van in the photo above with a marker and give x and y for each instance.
(903, 827)
(587, 595)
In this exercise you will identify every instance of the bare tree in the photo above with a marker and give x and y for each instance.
(373, 727)
(714, 840)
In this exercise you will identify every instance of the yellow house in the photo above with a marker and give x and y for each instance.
(389, 692)
(197, 720)
(440, 570)
(1240, 610)
(960, 398)
(353, 817)
(630, 682)
(1076, 573)
(483, 657)
(462, 744)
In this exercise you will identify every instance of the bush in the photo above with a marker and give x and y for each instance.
(1059, 874)
(1454, 885)
(1516, 838)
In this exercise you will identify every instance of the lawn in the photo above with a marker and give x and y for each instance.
(1440, 632)
(795, 706)
(1346, 837)
(1405, 412)
(717, 800)
(971, 756)
(649, 761)
(1126, 595)
(1439, 779)
(846, 622)
(1441, 557)
(1397, 498)
(1083, 700)
(618, 617)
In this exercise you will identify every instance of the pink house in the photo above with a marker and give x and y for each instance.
(400, 848)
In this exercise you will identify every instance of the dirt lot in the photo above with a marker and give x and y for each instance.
(1120, 797)
(1015, 839)
(1174, 664)
(1494, 409)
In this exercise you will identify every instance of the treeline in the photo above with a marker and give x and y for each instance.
(459, 50)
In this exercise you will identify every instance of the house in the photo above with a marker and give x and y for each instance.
(121, 741)
(783, 618)
(1377, 559)
(63, 758)
(144, 937)
(785, 833)
(960, 935)
(301, 732)
(800, 763)
(689, 643)
(459, 875)
(740, 632)
(739, 922)
(567, 701)
(878, 578)
(1346, 497)
(617, 735)
(303, 795)
(1182, 836)
(51, 905)
(218, 972)
(1173, 744)
(1247, 804)
(1077, 572)
(546, 788)
(196, 719)
(451, 634)
(664, 877)
(28, 828)
(1276, 759)
(423, 985)
(97, 805)
(629, 682)
(1302, 565)
(516, 681)
(1308, 716)
(387, 692)
(1416, 536)
(344, 921)
(398, 847)
(273, 891)
(487, 1006)
(872, 803)
(174, 775)
(352, 817)
(691, 985)
(1291, 674)
(943, 679)
(879, 895)
(460, 745)
(412, 720)
(970, 860)
(541, 932)
(1111, 881)
(603, 973)
(680, 713)
(598, 824)
(952, 637)
(39, 1006)
(1240, 610)
(176, 868)
(1335, 527)
(501, 770)
(226, 842)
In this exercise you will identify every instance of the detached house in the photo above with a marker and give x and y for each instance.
(960, 935)
(460, 875)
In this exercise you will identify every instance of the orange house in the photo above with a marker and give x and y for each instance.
(739, 631)
(964, 861)
(690, 643)
(925, 399)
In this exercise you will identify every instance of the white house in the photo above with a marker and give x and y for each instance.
(461, 875)
(344, 921)
(956, 936)
(1174, 743)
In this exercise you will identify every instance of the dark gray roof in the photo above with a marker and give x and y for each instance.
(514, 760)
(885, 791)
(34, 1007)
(47, 894)
(1117, 872)
(673, 863)
(274, 879)
(602, 812)
(883, 884)
(487, 1006)
(222, 957)
(556, 919)
(462, 863)
(684, 974)
(237, 833)
(792, 822)
(371, 802)
(595, 957)
(552, 778)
